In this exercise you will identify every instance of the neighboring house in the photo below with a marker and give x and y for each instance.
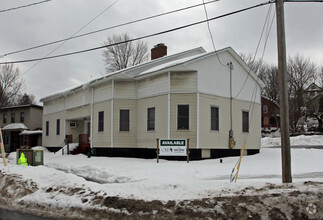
(311, 91)
(270, 117)
(185, 95)
(21, 126)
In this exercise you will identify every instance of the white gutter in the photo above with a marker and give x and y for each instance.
(112, 115)
(198, 120)
(168, 110)
(91, 123)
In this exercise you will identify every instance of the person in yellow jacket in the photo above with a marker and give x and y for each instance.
(22, 160)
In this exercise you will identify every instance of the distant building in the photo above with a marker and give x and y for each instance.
(270, 117)
(21, 126)
(312, 96)
(185, 95)
(311, 91)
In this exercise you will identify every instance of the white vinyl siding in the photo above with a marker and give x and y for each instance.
(209, 138)
(124, 90)
(214, 78)
(78, 113)
(77, 99)
(102, 139)
(102, 92)
(152, 86)
(127, 139)
(183, 82)
(52, 139)
(219, 140)
(147, 139)
(54, 105)
(184, 99)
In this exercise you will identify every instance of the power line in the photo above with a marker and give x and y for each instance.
(266, 39)
(108, 28)
(23, 6)
(254, 92)
(211, 35)
(140, 38)
(72, 35)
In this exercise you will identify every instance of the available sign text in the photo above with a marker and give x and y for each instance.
(172, 147)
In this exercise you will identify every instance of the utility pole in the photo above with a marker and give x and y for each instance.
(284, 109)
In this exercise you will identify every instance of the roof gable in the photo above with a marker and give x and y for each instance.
(128, 73)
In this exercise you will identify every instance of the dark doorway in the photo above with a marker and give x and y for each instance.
(14, 140)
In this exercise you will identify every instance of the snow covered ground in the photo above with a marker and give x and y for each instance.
(67, 181)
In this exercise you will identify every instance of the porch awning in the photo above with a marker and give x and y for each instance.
(15, 126)
(27, 133)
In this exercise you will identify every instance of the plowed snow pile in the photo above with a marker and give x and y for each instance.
(77, 187)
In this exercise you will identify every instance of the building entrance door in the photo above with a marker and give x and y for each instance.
(14, 141)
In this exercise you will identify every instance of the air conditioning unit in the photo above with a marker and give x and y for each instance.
(73, 124)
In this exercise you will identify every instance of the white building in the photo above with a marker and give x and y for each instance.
(185, 95)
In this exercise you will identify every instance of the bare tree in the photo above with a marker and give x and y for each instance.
(11, 84)
(255, 65)
(26, 99)
(123, 55)
(269, 76)
(300, 73)
(320, 75)
(267, 73)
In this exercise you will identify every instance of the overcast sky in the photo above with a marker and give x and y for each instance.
(58, 19)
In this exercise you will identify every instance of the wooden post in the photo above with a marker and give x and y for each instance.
(244, 144)
(284, 108)
(188, 150)
(157, 150)
(2, 150)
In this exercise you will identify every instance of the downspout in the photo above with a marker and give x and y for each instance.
(231, 138)
(112, 115)
(168, 107)
(65, 117)
(91, 122)
(198, 116)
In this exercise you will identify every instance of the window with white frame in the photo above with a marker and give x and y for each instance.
(245, 121)
(214, 118)
(151, 119)
(124, 123)
(101, 121)
(183, 116)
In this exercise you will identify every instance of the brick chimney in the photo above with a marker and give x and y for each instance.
(158, 51)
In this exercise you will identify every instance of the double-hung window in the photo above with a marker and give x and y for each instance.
(101, 121)
(13, 118)
(214, 118)
(151, 119)
(124, 120)
(183, 117)
(58, 125)
(245, 121)
(22, 117)
(47, 128)
(4, 119)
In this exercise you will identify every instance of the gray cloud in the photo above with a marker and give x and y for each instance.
(59, 19)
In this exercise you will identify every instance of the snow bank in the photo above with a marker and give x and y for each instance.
(148, 180)
(314, 140)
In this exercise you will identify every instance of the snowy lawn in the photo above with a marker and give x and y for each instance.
(77, 187)
(167, 180)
